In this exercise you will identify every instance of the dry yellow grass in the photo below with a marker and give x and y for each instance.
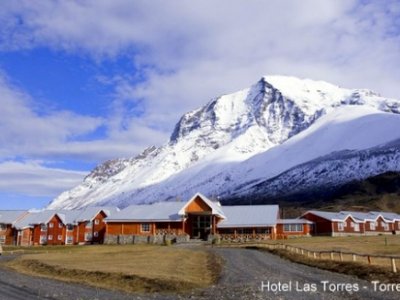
(374, 245)
(142, 267)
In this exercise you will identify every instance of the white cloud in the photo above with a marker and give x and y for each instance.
(27, 133)
(188, 52)
(34, 179)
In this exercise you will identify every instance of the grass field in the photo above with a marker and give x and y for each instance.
(131, 268)
(378, 245)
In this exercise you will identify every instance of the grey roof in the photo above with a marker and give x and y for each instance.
(39, 217)
(362, 216)
(69, 216)
(249, 216)
(89, 213)
(11, 216)
(161, 211)
(215, 206)
(387, 215)
(332, 216)
(294, 221)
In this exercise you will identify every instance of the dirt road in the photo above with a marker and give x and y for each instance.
(242, 277)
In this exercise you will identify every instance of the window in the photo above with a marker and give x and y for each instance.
(293, 227)
(145, 227)
(356, 227)
(89, 224)
(70, 239)
(341, 226)
(227, 230)
(372, 226)
(95, 234)
(263, 230)
(2, 239)
(50, 237)
(398, 225)
(51, 225)
(88, 236)
(60, 225)
(43, 239)
(3, 227)
(245, 231)
(43, 227)
(97, 222)
(70, 227)
(385, 226)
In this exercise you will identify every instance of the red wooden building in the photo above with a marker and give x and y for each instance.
(8, 233)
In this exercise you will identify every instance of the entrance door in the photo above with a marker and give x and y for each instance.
(201, 226)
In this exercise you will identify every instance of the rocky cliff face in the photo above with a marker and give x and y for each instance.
(210, 147)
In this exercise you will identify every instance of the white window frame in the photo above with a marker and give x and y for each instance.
(43, 239)
(51, 225)
(88, 236)
(372, 226)
(70, 227)
(3, 227)
(385, 226)
(2, 239)
(356, 227)
(50, 237)
(96, 234)
(59, 237)
(60, 225)
(341, 226)
(293, 227)
(96, 221)
(144, 226)
(69, 239)
(43, 227)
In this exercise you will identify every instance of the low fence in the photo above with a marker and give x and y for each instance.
(391, 261)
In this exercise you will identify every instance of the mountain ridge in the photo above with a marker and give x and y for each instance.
(227, 131)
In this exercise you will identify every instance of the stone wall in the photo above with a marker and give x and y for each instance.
(144, 239)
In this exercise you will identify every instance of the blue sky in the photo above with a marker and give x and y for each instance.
(82, 82)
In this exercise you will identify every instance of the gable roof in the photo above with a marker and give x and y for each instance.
(89, 213)
(40, 217)
(249, 216)
(215, 207)
(388, 216)
(333, 216)
(11, 216)
(160, 211)
(294, 221)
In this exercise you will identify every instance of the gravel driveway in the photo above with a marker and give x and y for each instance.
(241, 278)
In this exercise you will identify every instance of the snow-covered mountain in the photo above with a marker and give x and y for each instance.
(239, 144)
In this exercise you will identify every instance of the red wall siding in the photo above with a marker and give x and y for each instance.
(321, 226)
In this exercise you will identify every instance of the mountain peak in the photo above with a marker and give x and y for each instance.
(209, 146)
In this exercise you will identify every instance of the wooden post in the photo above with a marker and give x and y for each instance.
(369, 259)
(331, 255)
(341, 256)
(354, 257)
(302, 252)
(315, 255)
(394, 269)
